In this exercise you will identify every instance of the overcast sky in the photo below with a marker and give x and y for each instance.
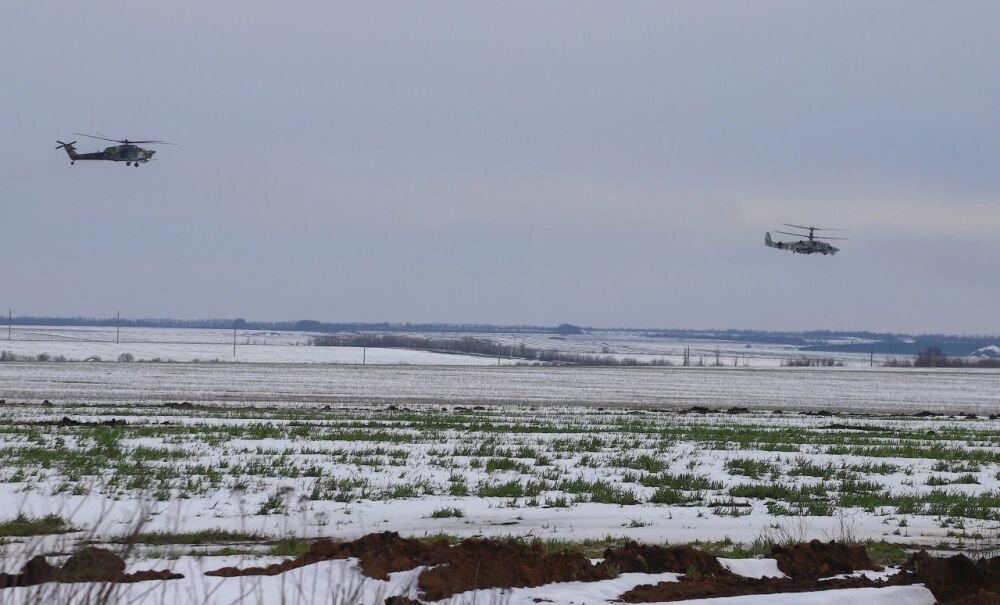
(599, 163)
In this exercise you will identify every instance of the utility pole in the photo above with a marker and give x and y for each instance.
(364, 352)
(499, 353)
(118, 327)
(871, 359)
(234, 338)
(10, 320)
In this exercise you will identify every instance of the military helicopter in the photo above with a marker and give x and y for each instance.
(128, 151)
(811, 245)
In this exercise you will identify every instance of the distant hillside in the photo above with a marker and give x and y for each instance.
(952, 346)
(828, 341)
(989, 352)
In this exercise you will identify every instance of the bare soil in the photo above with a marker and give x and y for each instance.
(380, 555)
(87, 565)
(644, 558)
(953, 580)
(471, 564)
(731, 586)
(817, 559)
(481, 564)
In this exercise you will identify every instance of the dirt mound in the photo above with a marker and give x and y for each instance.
(480, 563)
(635, 557)
(817, 559)
(471, 564)
(980, 598)
(380, 555)
(956, 579)
(269, 570)
(86, 565)
(397, 600)
(732, 586)
(386, 553)
(67, 421)
(704, 577)
(853, 427)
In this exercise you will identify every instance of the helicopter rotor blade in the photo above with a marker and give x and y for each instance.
(97, 137)
(792, 234)
(122, 141)
(824, 238)
(814, 228)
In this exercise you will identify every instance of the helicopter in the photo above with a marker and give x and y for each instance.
(811, 245)
(127, 151)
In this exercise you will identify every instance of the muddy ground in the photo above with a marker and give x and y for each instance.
(480, 564)
(490, 563)
(86, 565)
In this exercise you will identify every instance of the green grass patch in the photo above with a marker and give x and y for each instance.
(885, 553)
(675, 497)
(751, 467)
(682, 481)
(24, 525)
(290, 547)
(506, 464)
(447, 512)
(207, 536)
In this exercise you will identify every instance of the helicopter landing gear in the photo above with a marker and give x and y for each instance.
(71, 163)
(128, 163)
(136, 164)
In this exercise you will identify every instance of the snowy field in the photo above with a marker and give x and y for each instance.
(189, 345)
(883, 390)
(251, 477)
(195, 466)
(557, 472)
(185, 345)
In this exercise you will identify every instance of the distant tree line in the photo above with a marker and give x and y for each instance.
(302, 325)
(468, 345)
(8, 356)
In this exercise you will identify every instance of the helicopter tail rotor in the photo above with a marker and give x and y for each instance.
(70, 150)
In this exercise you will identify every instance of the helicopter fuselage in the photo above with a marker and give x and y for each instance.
(116, 153)
(807, 246)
